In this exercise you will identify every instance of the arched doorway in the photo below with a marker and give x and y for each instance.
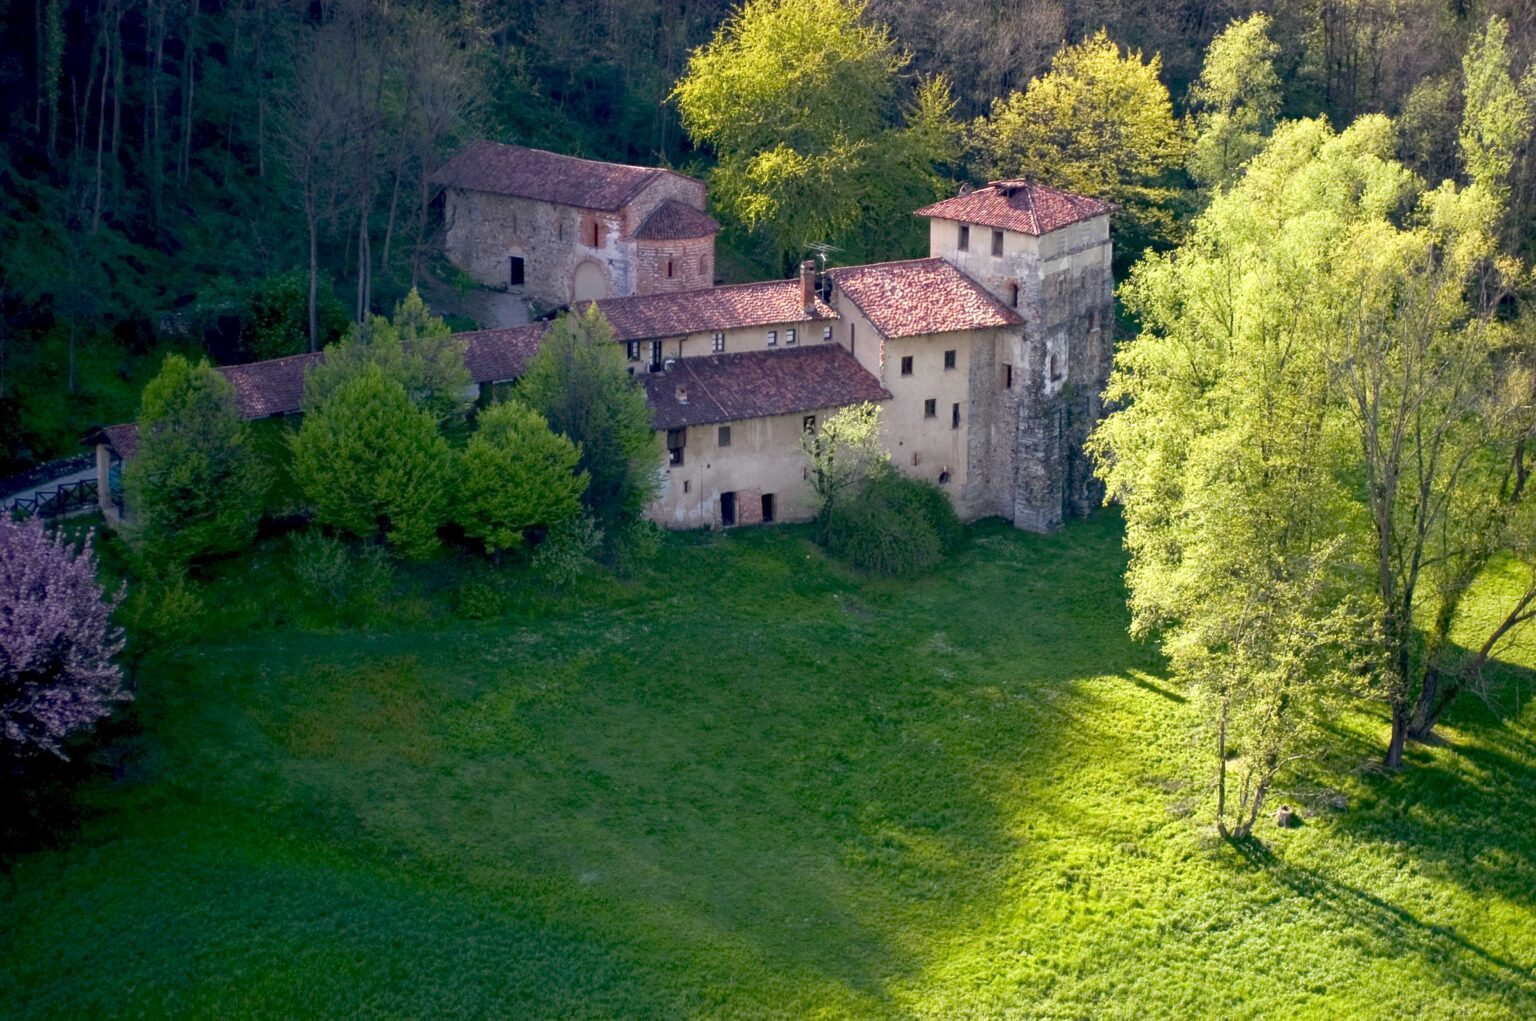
(589, 282)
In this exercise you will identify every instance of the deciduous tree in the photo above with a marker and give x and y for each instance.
(1100, 122)
(197, 485)
(578, 382)
(516, 474)
(1235, 101)
(373, 463)
(56, 640)
(845, 451)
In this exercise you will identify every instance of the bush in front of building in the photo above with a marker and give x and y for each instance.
(372, 463)
(515, 475)
(893, 525)
(198, 484)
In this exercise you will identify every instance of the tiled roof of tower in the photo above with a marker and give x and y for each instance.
(674, 220)
(1023, 206)
(919, 297)
(756, 384)
(546, 176)
(651, 316)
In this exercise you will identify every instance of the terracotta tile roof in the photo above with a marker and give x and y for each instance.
(674, 220)
(1023, 206)
(919, 297)
(122, 438)
(545, 176)
(651, 316)
(276, 386)
(272, 387)
(726, 388)
(496, 356)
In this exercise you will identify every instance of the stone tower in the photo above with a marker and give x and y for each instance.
(1045, 253)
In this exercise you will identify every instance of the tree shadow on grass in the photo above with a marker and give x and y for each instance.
(1398, 930)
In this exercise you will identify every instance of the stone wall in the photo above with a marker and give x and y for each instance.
(691, 262)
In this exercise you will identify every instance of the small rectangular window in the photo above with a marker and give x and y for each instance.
(949, 359)
(997, 242)
(931, 408)
(954, 416)
(808, 424)
(687, 486)
(719, 343)
(633, 347)
(677, 439)
(773, 338)
(669, 267)
(965, 238)
(1007, 377)
(724, 438)
(789, 337)
(767, 508)
(906, 365)
(1055, 368)
(596, 234)
(826, 333)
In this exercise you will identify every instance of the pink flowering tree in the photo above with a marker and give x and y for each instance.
(56, 641)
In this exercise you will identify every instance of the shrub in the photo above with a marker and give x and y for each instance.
(893, 525)
(276, 318)
(370, 461)
(515, 474)
(480, 598)
(332, 573)
(637, 544)
(567, 551)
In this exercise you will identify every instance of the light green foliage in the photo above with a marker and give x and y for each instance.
(578, 382)
(1235, 100)
(1288, 379)
(844, 451)
(337, 578)
(779, 791)
(197, 484)
(414, 348)
(515, 474)
(1496, 118)
(1100, 123)
(798, 98)
(370, 461)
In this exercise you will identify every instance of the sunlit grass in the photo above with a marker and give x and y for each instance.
(750, 785)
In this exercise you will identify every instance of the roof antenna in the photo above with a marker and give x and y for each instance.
(822, 250)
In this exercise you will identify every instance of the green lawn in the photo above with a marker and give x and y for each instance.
(750, 785)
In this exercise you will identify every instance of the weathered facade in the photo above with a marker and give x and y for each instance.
(988, 357)
(560, 229)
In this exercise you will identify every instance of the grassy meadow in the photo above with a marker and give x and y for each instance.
(748, 784)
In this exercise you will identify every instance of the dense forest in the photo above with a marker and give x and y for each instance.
(174, 172)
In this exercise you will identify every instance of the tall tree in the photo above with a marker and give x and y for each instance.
(578, 382)
(1100, 122)
(197, 485)
(798, 99)
(1235, 101)
(1319, 442)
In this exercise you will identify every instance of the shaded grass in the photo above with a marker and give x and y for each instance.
(751, 785)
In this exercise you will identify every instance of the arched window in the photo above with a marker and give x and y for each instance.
(669, 268)
(1013, 295)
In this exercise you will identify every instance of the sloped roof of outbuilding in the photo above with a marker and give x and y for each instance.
(918, 297)
(515, 170)
(1022, 206)
(758, 384)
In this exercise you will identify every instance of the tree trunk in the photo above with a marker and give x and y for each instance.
(314, 270)
(188, 93)
(1394, 756)
(1221, 766)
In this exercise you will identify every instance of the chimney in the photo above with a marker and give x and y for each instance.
(808, 286)
(682, 395)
